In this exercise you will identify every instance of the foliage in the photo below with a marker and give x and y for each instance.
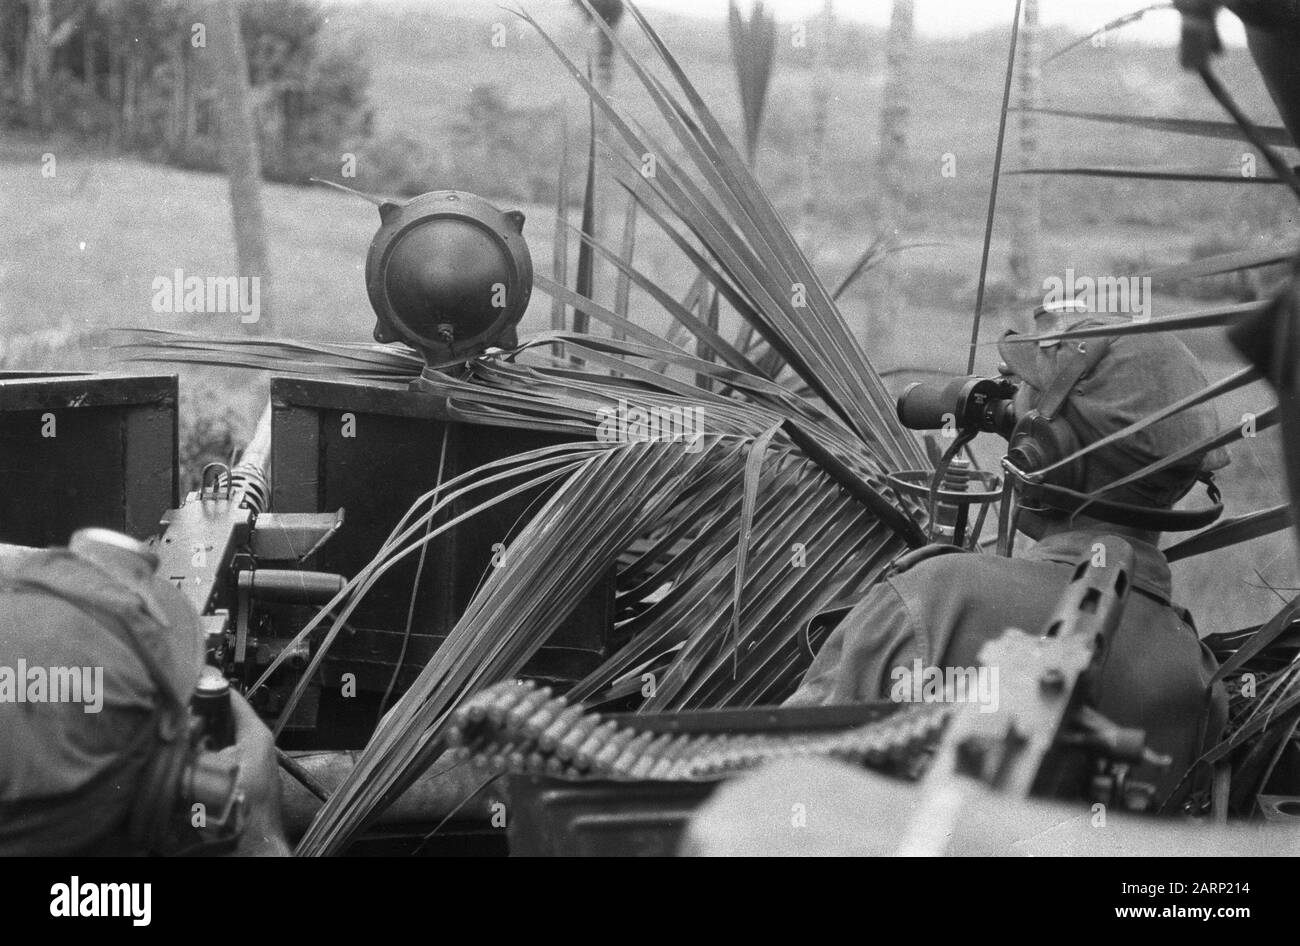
(212, 430)
(727, 545)
(128, 73)
(701, 538)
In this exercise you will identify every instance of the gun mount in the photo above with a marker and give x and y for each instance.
(266, 541)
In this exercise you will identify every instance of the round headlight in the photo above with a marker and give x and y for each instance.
(448, 274)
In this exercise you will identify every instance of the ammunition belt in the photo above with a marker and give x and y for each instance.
(518, 727)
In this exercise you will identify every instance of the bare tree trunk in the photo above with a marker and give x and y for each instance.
(34, 85)
(816, 170)
(176, 98)
(130, 96)
(606, 191)
(43, 38)
(897, 109)
(88, 59)
(115, 84)
(190, 112)
(1026, 224)
(753, 51)
(893, 164)
(604, 62)
(239, 152)
(6, 64)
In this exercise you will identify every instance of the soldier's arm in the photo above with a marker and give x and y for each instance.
(259, 780)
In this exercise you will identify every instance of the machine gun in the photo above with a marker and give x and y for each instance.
(241, 567)
(1049, 742)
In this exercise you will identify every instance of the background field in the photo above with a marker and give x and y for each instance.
(107, 225)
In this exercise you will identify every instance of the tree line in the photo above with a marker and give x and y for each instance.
(139, 75)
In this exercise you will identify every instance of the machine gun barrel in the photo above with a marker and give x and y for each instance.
(250, 478)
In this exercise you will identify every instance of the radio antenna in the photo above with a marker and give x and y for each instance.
(993, 192)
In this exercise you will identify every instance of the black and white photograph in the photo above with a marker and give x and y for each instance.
(649, 428)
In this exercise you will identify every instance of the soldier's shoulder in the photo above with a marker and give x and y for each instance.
(937, 562)
(936, 556)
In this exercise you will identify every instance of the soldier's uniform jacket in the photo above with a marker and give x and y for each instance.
(942, 610)
(68, 776)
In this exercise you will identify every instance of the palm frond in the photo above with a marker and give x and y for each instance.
(1231, 532)
(876, 251)
(1234, 381)
(741, 229)
(712, 318)
(1115, 24)
(560, 244)
(1276, 135)
(1149, 174)
(1232, 262)
(753, 47)
(287, 356)
(726, 631)
(620, 492)
(1206, 318)
(1263, 420)
(725, 547)
(352, 191)
(623, 283)
(586, 263)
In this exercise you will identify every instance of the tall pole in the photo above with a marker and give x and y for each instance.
(239, 151)
(1027, 228)
(893, 161)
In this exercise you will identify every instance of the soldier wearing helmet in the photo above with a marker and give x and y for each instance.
(98, 661)
(943, 609)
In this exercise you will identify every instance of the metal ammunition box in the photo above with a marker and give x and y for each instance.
(554, 817)
(81, 450)
(372, 450)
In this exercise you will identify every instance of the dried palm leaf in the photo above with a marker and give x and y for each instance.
(1232, 531)
(1276, 135)
(1235, 261)
(1151, 174)
(1115, 24)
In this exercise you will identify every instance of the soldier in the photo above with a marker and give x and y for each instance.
(942, 609)
(98, 661)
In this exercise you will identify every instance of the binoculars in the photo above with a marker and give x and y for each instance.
(962, 404)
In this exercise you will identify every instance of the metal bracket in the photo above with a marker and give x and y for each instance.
(293, 536)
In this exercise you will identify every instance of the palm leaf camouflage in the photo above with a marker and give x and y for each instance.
(728, 544)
